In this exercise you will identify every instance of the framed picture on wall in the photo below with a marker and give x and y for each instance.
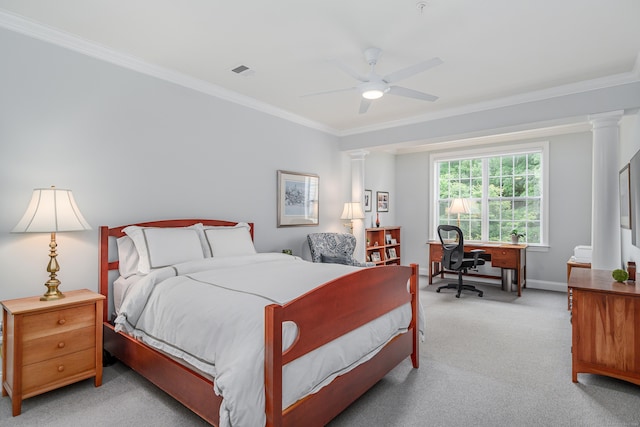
(368, 195)
(298, 199)
(383, 201)
(625, 198)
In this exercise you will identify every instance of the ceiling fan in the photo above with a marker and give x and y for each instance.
(373, 86)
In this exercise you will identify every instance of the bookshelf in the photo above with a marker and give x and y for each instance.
(383, 245)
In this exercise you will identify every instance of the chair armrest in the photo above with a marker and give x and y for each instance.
(476, 255)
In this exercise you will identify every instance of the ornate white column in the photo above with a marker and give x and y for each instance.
(605, 206)
(357, 195)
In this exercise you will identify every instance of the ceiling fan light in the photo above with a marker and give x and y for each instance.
(372, 94)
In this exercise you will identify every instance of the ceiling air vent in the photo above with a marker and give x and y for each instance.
(243, 70)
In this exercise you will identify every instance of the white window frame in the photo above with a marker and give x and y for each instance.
(498, 150)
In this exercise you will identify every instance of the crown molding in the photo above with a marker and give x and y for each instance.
(45, 33)
(48, 34)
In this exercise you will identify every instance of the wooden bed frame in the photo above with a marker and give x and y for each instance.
(343, 305)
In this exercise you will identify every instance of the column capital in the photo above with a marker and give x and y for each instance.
(610, 118)
(358, 155)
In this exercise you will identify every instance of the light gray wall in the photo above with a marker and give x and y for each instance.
(629, 145)
(569, 208)
(135, 148)
(380, 175)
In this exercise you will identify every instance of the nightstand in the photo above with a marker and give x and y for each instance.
(50, 344)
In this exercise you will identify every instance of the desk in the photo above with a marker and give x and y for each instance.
(500, 255)
(605, 324)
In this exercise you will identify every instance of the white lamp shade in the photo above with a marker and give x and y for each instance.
(459, 206)
(51, 210)
(352, 210)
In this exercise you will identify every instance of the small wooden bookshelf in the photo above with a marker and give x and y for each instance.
(383, 245)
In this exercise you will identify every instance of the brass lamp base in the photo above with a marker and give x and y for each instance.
(52, 284)
(349, 226)
(52, 291)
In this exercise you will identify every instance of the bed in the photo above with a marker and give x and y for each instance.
(319, 317)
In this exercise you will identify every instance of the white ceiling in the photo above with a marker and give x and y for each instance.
(491, 49)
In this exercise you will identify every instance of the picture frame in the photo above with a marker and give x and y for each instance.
(368, 196)
(375, 257)
(394, 242)
(382, 198)
(625, 197)
(298, 199)
(392, 253)
(387, 238)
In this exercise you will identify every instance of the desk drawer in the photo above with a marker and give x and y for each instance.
(505, 258)
(435, 253)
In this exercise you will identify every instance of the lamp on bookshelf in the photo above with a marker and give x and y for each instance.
(351, 211)
(459, 206)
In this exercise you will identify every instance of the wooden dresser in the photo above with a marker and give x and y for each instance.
(605, 317)
(49, 344)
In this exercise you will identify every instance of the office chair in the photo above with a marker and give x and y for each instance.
(453, 258)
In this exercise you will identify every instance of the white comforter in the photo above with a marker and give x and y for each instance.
(211, 314)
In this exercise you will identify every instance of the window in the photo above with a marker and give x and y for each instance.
(504, 189)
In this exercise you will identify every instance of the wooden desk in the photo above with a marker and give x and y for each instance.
(605, 322)
(500, 255)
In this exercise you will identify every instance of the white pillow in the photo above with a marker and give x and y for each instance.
(128, 257)
(159, 247)
(230, 241)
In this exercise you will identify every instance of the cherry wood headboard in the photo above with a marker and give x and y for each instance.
(105, 265)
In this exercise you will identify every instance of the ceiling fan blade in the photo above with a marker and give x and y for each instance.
(410, 71)
(364, 105)
(410, 93)
(353, 73)
(327, 91)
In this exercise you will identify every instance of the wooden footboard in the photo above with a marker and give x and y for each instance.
(325, 314)
(342, 305)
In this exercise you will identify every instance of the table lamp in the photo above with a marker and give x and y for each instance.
(51, 210)
(459, 206)
(351, 211)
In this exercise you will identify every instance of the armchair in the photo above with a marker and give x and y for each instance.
(453, 258)
(334, 248)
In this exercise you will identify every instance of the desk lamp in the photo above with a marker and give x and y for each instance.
(51, 210)
(351, 211)
(459, 206)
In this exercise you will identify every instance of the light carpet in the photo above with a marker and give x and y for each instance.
(498, 360)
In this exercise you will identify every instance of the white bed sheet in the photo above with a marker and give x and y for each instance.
(225, 299)
(120, 288)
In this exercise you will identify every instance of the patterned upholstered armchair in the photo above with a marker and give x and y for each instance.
(334, 248)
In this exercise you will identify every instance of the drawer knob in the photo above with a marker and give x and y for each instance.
(61, 322)
(60, 368)
(61, 344)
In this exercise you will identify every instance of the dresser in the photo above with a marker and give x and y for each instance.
(605, 322)
(50, 344)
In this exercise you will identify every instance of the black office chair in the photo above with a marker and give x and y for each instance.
(453, 257)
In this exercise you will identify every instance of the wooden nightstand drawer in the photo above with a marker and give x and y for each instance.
(59, 344)
(41, 375)
(40, 325)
